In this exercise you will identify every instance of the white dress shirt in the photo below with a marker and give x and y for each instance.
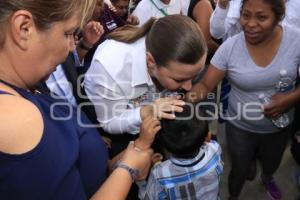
(60, 86)
(118, 83)
(155, 8)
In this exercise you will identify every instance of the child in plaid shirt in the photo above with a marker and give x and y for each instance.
(194, 164)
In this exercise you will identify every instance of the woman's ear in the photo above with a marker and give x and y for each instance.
(151, 65)
(21, 28)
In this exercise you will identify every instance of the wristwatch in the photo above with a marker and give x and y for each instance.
(134, 173)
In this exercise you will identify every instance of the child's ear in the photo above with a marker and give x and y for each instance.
(208, 137)
(156, 158)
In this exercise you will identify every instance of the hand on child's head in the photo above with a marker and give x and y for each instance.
(164, 108)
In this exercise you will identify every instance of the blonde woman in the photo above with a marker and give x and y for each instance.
(44, 153)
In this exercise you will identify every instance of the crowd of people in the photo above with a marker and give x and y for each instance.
(103, 99)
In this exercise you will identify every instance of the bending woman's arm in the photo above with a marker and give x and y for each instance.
(110, 102)
(209, 82)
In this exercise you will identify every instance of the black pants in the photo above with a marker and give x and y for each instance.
(295, 150)
(246, 146)
(295, 147)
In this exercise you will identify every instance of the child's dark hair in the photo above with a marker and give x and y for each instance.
(184, 136)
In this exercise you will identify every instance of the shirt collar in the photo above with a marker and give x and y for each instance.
(162, 5)
(188, 162)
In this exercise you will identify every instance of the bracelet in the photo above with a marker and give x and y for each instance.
(83, 46)
(136, 147)
(134, 173)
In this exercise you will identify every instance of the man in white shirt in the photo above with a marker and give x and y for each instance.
(159, 8)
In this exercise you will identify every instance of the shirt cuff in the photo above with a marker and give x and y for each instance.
(137, 116)
(134, 121)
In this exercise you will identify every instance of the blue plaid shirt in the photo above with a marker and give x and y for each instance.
(175, 179)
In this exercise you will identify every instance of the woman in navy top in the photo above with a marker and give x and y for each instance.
(44, 153)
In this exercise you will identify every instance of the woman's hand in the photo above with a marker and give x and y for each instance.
(133, 20)
(280, 104)
(223, 3)
(149, 128)
(91, 33)
(163, 108)
(138, 159)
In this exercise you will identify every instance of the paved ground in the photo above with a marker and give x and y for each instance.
(254, 190)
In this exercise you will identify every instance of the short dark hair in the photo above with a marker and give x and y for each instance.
(183, 136)
(277, 6)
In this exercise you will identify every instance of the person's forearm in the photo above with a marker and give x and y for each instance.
(114, 160)
(128, 122)
(116, 186)
(198, 93)
(212, 46)
(81, 53)
(217, 23)
(83, 48)
(294, 97)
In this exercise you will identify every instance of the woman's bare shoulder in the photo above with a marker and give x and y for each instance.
(21, 125)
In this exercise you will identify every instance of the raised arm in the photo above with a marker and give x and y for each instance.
(218, 20)
(202, 13)
(91, 33)
(118, 184)
(138, 156)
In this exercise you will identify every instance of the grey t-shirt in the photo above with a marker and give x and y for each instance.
(248, 80)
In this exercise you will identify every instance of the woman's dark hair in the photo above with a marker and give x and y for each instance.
(277, 6)
(172, 38)
(184, 136)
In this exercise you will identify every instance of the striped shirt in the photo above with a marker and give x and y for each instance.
(176, 179)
